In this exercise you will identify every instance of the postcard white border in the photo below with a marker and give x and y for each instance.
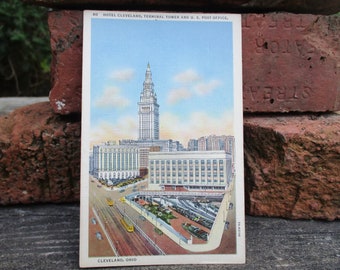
(239, 257)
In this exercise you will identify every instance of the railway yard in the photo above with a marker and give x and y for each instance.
(118, 229)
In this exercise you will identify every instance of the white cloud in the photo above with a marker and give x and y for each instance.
(112, 98)
(178, 94)
(122, 128)
(203, 88)
(187, 76)
(197, 124)
(191, 84)
(123, 74)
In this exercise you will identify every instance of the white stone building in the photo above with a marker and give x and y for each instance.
(111, 161)
(191, 170)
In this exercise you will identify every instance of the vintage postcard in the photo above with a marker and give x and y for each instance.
(162, 139)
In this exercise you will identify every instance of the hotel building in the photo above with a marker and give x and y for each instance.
(111, 161)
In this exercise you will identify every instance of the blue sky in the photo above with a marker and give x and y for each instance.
(191, 65)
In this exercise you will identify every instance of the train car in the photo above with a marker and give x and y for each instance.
(128, 226)
(109, 201)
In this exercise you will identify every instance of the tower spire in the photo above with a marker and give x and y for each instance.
(148, 86)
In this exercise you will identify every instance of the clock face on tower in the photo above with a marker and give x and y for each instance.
(145, 109)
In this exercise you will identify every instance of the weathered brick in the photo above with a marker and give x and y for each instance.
(66, 68)
(291, 162)
(291, 63)
(292, 166)
(39, 156)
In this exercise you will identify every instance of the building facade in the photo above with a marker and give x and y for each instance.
(111, 161)
(191, 170)
(211, 143)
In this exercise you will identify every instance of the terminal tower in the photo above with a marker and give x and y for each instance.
(148, 110)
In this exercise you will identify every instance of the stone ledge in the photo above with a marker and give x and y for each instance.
(239, 6)
(8, 104)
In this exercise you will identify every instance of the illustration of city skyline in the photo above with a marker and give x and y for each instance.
(162, 139)
(194, 86)
(193, 138)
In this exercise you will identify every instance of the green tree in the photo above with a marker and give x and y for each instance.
(24, 50)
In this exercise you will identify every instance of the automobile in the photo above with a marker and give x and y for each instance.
(231, 205)
(94, 221)
(99, 236)
(99, 186)
(142, 218)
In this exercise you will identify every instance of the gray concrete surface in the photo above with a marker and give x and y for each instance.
(8, 104)
(45, 236)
